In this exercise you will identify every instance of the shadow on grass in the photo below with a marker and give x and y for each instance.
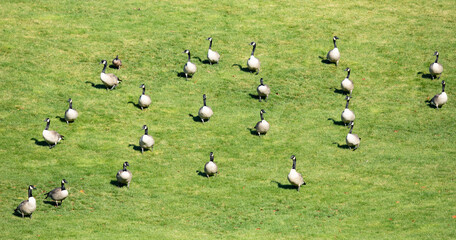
(242, 68)
(429, 103)
(62, 119)
(338, 91)
(254, 96)
(18, 214)
(98, 86)
(114, 67)
(343, 146)
(202, 174)
(425, 75)
(136, 147)
(284, 186)
(135, 104)
(51, 203)
(182, 75)
(254, 132)
(116, 183)
(325, 61)
(196, 118)
(40, 143)
(340, 123)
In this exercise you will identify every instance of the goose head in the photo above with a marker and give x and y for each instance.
(436, 53)
(31, 187)
(126, 164)
(211, 156)
(144, 127)
(47, 120)
(335, 38)
(348, 69)
(252, 43)
(209, 38)
(103, 62)
(186, 51)
(64, 181)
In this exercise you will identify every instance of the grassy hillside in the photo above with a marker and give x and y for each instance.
(399, 183)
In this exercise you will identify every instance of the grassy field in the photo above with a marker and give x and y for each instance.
(399, 184)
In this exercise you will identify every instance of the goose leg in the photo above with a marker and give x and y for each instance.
(128, 185)
(349, 148)
(432, 76)
(202, 120)
(298, 188)
(31, 215)
(67, 122)
(22, 214)
(56, 203)
(207, 175)
(142, 108)
(266, 99)
(259, 98)
(186, 77)
(142, 150)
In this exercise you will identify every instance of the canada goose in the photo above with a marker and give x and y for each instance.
(144, 100)
(294, 177)
(205, 112)
(146, 141)
(440, 99)
(263, 90)
(347, 115)
(58, 194)
(436, 68)
(27, 207)
(253, 63)
(70, 113)
(210, 168)
(51, 137)
(189, 67)
(352, 139)
(262, 127)
(117, 62)
(213, 56)
(347, 84)
(109, 80)
(334, 54)
(124, 176)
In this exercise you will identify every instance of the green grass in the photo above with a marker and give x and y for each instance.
(398, 184)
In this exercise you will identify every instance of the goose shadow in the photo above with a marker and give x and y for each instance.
(113, 67)
(202, 174)
(343, 146)
(339, 91)
(40, 143)
(244, 69)
(253, 131)
(117, 184)
(425, 75)
(254, 96)
(196, 118)
(135, 147)
(135, 104)
(61, 119)
(50, 203)
(325, 61)
(340, 123)
(429, 103)
(17, 214)
(98, 86)
(182, 75)
(284, 186)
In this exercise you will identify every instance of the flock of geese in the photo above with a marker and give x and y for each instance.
(146, 142)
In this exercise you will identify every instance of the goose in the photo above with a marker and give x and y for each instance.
(27, 207)
(334, 54)
(263, 90)
(124, 176)
(436, 68)
(146, 141)
(213, 56)
(51, 137)
(144, 100)
(253, 63)
(262, 127)
(70, 113)
(352, 139)
(440, 99)
(210, 168)
(347, 115)
(117, 62)
(109, 80)
(189, 67)
(58, 194)
(294, 177)
(347, 84)
(205, 112)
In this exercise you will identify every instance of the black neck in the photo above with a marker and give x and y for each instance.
(351, 129)
(104, 68)
(348, 101)
(63, 186)
(188, 56)
(30, 193)
(294, 164)
(348, 74)
(71, 105)
(210, 44)
(47, 125)
(261, 115)
(443, 87)
(212, 158)
(124, 168)
(253, 50)
(436, 58)
(144, 90)
(204, 101)
(334, 40)
(146, 131)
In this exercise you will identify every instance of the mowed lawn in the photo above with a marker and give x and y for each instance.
(399, 184)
